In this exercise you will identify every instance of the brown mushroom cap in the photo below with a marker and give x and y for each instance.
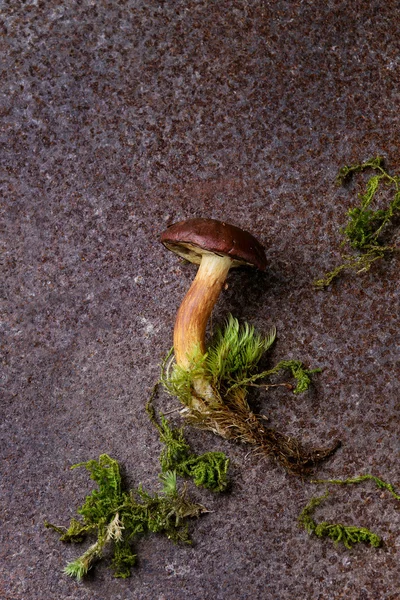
(195, 237)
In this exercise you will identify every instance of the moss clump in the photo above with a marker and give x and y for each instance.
(363, 233)
(214, 392)
(117, 516)
(208, 470)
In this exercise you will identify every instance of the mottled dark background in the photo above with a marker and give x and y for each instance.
(118, 118)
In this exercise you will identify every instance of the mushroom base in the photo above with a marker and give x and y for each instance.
(214, 390)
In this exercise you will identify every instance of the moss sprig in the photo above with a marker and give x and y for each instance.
(365, 226)
(295, 368)
(380, 484)
(235, 352)
(348, 535)
(208, 470)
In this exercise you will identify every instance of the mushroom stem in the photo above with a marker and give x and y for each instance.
(196, 308)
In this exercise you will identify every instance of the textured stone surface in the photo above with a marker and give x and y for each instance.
(119, 118)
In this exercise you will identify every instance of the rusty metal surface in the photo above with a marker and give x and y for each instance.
(118, 119)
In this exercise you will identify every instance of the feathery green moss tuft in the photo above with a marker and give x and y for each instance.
(235, 352)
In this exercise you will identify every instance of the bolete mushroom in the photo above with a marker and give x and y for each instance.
(216, 247)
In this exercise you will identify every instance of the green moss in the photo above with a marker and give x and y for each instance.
(363, 233)
(214, 392)
(117, 517)
(348, 535)
(380, 484)
(230, 364)
(208, 470)
(234, 352)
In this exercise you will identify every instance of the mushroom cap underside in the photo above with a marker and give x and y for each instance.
(195, 237)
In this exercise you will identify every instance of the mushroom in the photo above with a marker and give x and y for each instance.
(216, 247)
